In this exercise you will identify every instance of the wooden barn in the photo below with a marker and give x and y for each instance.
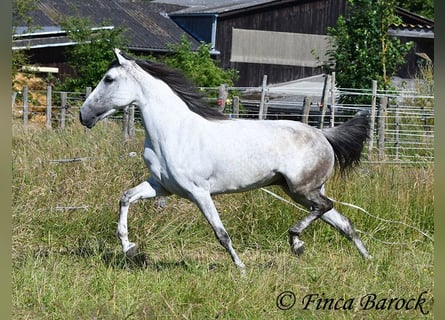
(147, 27)
(420, 31)
(280, 37)
(265, 37)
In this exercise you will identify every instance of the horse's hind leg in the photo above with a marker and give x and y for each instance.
(344, 225)
(319, 204)
(321, 207)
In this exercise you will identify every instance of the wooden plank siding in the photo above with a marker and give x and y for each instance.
(311, 17)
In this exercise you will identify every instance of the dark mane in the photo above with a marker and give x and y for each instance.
(182, 86)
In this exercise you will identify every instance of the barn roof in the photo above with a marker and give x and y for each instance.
(412, 25)
(224, 7)
(147, 25)
(213, 6)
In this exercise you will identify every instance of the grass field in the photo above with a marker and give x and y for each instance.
(67, 264)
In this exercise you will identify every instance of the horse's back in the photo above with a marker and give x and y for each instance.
(247, 154)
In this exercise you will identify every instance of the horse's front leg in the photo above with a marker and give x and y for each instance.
(145, 190)
(205, 203)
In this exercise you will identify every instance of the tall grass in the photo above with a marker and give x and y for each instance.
(67, 263)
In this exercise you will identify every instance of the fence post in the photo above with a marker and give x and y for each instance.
(372, 120)
(88, 91)
(396, 131)
(125, 122)
(48, 106)
(235, 107)
(324, 99)
(223, 92)
(14, 96)
(263, 110)
(306, 109)
(25, 105)
(381, 127)
(62, 109)
(131, 122)
(333, 99)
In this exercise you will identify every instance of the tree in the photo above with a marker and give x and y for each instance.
(21, 18)
(199, 65)
(362, 50)
(93, 51)
(423, 7)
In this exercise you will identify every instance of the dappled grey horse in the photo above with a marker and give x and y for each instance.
(194, 151)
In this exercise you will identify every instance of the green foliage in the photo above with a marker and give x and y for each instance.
(20, 17)
(423, 7)
(93, 52)
(199, 65)
(362, 50)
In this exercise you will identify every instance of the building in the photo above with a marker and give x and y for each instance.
(148, 28)
(279, 38)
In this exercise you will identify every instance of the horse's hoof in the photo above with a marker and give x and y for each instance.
(132, 250)
(297, 247)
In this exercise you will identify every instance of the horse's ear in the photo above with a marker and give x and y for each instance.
(119, 57)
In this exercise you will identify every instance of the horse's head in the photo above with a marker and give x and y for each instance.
(115, 91)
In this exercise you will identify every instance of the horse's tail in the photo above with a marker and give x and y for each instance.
(348, 140)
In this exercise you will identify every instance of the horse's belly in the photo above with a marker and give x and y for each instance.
(236, 179)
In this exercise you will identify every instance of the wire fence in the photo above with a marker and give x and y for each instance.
(402, 122)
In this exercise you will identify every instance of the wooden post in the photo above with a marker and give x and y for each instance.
(324, 99)
(131, 122)
(14, 96)
(381, 127)
(333, 99)
(25, 105)
(48, 106)
(223, 92)
(372, 120)
(125, 122)
(396, 132)
(88, 91)
(236, 107)
(306, 109)
(62, 109)
(263, 108)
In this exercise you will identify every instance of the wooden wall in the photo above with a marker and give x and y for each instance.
(301, 16)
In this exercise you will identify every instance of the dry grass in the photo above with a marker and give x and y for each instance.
(67, 264)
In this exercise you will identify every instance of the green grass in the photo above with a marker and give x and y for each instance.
(67, 264)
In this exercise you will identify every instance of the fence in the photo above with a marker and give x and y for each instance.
(54, 108)
(402, 122)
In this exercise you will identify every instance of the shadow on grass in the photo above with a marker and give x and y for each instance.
(141, 261)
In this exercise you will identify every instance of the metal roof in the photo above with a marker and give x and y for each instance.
(412, 25)
(219, 7)
(412, 31)
(147, 25)
(213, 6)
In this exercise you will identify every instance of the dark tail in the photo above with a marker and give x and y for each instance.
(348, 140)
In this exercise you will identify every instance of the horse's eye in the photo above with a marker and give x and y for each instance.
(108, 79)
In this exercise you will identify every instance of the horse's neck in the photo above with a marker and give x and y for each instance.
(165, 115)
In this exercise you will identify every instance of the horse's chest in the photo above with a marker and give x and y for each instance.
(160, 171)
(153, 162)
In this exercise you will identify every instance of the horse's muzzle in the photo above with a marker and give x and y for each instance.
(89, 124)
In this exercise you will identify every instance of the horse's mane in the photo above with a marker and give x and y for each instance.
(182, 86)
